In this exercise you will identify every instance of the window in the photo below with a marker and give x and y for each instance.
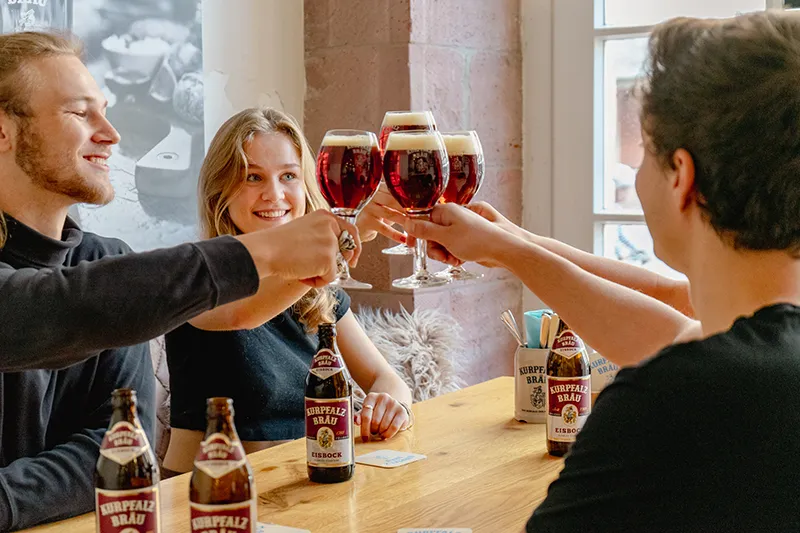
(591, 54)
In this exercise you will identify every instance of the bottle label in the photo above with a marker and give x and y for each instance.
(568, 345)
(329, 433)
(230, 518)
(569, 402)
(218, 455)
(123, 443)
(128, 511)
(326, 364)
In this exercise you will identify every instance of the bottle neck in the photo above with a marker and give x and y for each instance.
(125, 411)
(327, 337)
(221, 423)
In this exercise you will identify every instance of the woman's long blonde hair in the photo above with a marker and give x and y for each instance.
(223, 175)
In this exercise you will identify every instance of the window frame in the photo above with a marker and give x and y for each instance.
(562, 110)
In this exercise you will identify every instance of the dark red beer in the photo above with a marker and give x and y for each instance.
(415, 170)
(349, 171)
(404, 121)
(466, 167)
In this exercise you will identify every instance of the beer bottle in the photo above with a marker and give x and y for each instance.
(330, 453)
(222, 493)
(126, 475)
(569, 398)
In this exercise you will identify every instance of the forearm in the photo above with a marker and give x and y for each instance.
(624, 325)
(54, 485)
(274, 296)
(672, 292)
(53, 318)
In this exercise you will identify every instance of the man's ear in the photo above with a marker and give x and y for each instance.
(683, 178)
(8, 132)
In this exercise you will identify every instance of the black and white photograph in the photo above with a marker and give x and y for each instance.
(146, 56)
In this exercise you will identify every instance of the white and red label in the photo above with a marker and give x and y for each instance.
(218, 455)
(128, 511)
(229, 518)
(568, 345)
(326, 364)
(569, 403)
(329, 432)
(123, 443)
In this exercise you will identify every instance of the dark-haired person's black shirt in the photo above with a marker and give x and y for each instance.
(704, 437)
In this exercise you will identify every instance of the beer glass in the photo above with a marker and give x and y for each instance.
(416, 171)
(403, 121)
(465, 154)
(349, 171)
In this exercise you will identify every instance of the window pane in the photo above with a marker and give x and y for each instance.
(623, 62)
(646, 12)
(632, 244)
(791, 4)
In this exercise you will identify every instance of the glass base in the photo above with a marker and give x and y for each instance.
(400, 249)
(420, 280)
(350, 283)
(457, 274)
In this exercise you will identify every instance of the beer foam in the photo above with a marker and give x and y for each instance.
(348, 140)
(412, 141)
(411, 118)
(460, 144)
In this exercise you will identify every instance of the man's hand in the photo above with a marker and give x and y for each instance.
(304, 249)
(456, 234)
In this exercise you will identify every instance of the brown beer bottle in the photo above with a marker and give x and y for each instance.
(222, 492)
(569, 389)
(330, 453)
(126, 475)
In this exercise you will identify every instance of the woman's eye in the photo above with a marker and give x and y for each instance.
(289, 176)
(81, 114)
(253, 177)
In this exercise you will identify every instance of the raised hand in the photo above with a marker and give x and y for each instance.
(460, 234)
(304, 249)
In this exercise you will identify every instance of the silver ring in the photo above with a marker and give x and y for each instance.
(346, 242)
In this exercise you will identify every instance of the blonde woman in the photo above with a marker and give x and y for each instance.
(259, 173)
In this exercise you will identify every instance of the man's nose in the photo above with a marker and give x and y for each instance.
(106, 133)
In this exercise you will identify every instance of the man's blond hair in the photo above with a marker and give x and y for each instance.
(16, 51)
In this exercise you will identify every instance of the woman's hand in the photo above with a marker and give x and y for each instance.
(372, 219)
(381, 417)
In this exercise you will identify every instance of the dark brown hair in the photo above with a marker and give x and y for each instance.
(728, 92)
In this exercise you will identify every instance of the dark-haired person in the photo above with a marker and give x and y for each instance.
(700, 435)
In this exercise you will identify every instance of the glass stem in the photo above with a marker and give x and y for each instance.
(421, 254)
(346, 270)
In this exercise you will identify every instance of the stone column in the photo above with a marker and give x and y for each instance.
(461, 59)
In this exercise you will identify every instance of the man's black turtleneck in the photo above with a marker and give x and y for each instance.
(75, 318)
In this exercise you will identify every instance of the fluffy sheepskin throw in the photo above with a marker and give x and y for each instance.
(421, 346)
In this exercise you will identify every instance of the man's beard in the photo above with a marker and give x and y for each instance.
(56, 172)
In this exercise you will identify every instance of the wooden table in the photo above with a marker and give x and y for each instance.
(484, 470)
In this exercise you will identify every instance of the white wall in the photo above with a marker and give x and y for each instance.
(253, 55)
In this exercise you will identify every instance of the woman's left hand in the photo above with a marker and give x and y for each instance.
(381, 417)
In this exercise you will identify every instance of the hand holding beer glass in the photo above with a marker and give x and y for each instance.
(416, 170)
(403, 121)
(465, 155)
(348, 171)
